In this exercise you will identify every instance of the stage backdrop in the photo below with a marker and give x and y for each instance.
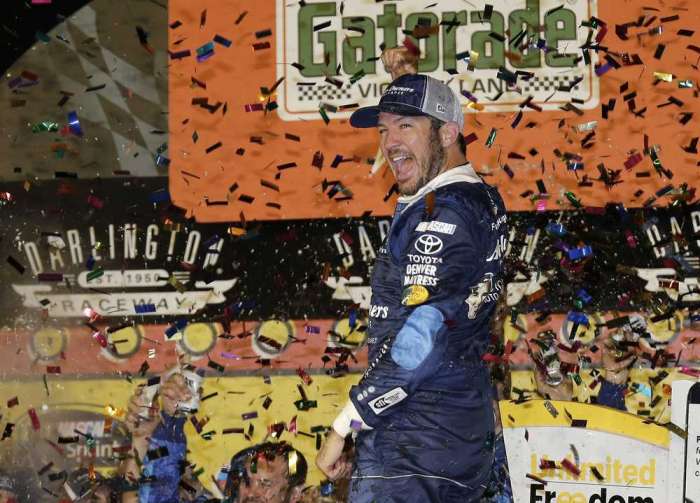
(253, 256)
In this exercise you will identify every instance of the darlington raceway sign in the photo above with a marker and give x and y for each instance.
(334, 46)
(116, 260)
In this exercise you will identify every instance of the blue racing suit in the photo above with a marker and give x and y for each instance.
(164, 464)
(424, 405)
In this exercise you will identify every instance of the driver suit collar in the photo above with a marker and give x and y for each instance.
(462, 173)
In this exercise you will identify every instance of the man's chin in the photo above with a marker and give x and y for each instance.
(408, 188)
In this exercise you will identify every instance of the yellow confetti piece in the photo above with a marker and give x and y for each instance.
(666, 77)
(236, 231)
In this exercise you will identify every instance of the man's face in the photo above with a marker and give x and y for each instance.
(412, 148)
(269, 484)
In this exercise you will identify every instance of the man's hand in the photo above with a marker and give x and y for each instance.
(330, 459)
(141, 417)
(616, 362)
(172, 392)
(563, 392)
(399, 61)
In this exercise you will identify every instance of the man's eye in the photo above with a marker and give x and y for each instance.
(405, 125)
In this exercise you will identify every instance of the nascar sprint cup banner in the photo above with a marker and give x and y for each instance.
(327, 52)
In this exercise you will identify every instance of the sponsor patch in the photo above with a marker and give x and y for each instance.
(387, 400)
(414, 295)
(436, 226)
(428, 244)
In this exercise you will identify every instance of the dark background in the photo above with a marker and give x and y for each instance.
(21, 20)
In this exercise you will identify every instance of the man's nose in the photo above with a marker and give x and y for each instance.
(391, 140)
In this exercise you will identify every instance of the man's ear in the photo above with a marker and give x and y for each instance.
(449, 133)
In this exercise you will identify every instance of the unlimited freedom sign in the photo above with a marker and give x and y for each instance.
(327, 52)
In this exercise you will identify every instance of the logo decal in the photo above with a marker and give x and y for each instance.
(435, 226)
(414, 295)
(387, 400)
(486, 291)
(428, 244)
(491, 47)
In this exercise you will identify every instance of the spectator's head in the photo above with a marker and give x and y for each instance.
(266, 473)
(7, 489)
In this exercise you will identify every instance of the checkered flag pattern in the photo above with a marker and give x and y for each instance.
(325, 92)
(118, 89)
(547, 83)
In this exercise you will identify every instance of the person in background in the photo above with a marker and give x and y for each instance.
(157, 461)
(271, 472)
(616, 361)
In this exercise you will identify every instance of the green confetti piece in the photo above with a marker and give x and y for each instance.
(572, 199)
(491, 138)
(357, 76)
(95, 274)
(45, 126)
(324, 115)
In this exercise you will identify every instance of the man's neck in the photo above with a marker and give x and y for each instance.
(452, 160)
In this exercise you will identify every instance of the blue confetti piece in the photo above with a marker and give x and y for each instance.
(205, 52)
(144, 308)
(90, 263)
(327, 489)
(352, 321)
(162, 161)
(74, 124)
(159, 196)
(580, 253)
(644, 390)
(556, 229)
(577, 317)
(583, 295)
(223, 41)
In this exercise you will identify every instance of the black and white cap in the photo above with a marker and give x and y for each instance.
(413, 94)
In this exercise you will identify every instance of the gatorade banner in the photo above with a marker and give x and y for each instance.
(577, 97)
(456, 38)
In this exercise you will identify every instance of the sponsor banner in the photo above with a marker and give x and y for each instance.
(611, 457)
(684, 466)
(47, 438)
(146, 261)
(321, 36)
(63, 406)
(262, 129)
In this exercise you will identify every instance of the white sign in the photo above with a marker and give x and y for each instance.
(614, 468)
(166, 302)
(334, 49)
(685, 460)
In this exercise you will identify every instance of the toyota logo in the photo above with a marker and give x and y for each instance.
(428, 244)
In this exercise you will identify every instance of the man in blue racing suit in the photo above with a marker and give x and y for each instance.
(423, 411)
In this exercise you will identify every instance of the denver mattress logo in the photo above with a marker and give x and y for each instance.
(334, 47)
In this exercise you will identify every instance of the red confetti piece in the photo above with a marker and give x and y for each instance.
(570, 467)
(36, 424)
